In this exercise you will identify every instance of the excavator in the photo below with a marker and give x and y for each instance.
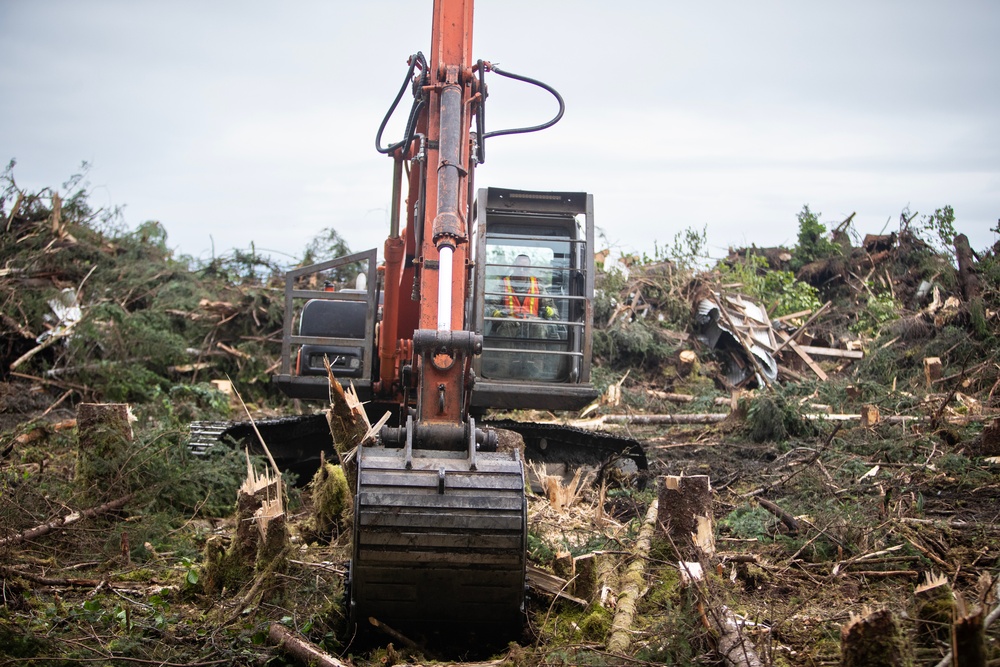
(437, 338)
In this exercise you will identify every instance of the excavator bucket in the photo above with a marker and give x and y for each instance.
(439, 543)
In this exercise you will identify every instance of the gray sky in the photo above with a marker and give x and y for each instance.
(237, 121)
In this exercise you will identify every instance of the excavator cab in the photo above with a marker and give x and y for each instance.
(537, 340)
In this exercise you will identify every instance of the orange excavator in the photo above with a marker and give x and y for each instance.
(440, 516)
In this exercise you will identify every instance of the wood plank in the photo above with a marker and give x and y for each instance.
(801, 329)
(797, 349)
(832, 352)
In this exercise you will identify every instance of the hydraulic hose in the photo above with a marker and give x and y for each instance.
(416, 60)
(534, 82)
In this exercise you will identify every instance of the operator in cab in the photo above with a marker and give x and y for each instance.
(522, 299)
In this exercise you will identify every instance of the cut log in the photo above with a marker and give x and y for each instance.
(668, 396)
(632, 585)
(874, 640)
(298, 647)
(685, 515)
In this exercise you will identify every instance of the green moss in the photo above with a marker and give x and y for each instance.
(331, 496)
(595, 625)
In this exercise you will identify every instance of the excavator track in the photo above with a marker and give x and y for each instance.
(296, 443)
(440, 546)
(575, 447)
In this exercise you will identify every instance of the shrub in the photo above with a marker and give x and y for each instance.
(813, 244)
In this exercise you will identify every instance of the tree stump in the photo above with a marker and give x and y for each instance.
(968, 637)
(968, 276)
(106, 464)
(564, 565)
(587, 583)
(874, 640)
(687, 363)
(932, 370)
(869, 415)
(261, 535)
(685, 515)
(933, 609)
(331, 502)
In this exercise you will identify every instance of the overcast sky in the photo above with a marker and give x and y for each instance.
(233, 122)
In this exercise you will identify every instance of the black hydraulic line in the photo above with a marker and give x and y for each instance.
(481, 114)
(416, 60)
(533, 128)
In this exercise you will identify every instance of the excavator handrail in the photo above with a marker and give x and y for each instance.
(291, 294)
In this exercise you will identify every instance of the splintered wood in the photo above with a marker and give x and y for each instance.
(561, 495)
(268, 491)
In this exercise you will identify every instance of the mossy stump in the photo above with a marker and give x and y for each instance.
(331, 503)
(587, 582)
(106, 463)
(874, 640)
(260, 537)
(933, 609)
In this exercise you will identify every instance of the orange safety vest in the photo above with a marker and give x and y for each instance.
(526, 307)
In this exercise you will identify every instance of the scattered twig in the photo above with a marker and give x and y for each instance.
(790, 521)
(812, 459)
(64, 521)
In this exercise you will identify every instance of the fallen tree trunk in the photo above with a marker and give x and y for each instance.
(632, 585)
(298, 647)
(64, 521)
(718, 417)
(734, 647)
